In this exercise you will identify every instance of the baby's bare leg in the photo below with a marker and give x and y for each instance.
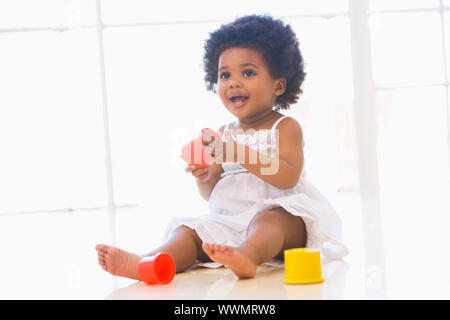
(268, 235)
(183, 245)
(271, 232)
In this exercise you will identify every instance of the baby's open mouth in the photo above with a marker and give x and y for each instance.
(238, 100)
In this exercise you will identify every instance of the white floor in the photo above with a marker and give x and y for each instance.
(398, 250)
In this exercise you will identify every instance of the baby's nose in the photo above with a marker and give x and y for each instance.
(234, 84)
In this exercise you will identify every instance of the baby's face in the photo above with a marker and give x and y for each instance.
(244, 83)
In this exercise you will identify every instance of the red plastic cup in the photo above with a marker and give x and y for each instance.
(194, 152)
(157, 269)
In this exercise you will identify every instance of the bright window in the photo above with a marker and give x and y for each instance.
(378, 5)
(51, 118)
(46, 13)
(142, 11)
(51, 134)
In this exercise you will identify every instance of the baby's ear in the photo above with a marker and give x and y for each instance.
(281, 86)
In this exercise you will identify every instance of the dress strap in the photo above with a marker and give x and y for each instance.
(225, 130)
(277, 122)
(275, 125)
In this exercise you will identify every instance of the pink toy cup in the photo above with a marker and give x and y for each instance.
(195, 153)
(157, 269)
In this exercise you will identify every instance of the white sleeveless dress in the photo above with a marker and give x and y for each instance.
(239, 195)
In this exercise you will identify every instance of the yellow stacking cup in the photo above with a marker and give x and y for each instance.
(302, 265)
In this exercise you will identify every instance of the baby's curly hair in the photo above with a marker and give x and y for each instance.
(276, 42)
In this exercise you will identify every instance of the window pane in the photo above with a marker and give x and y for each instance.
(402, 4)
(406, 52)
(413, 137)
(46, 13)
(325, 46)
(158, 101)
(414, 172)
(324, 109)
(447, 39)
(50, 122)
(121, 11)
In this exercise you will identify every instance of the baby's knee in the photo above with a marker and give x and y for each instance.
(186, 232)
(275, 214)
(182, 230)
(276, 217)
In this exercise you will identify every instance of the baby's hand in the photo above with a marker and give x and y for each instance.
(200, 174)
(213, 146)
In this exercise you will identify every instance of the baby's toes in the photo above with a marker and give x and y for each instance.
(221, 248)
(207, 248)
(218, 248)
(226, 250)
(102, 263)
(102, 249)
(101, 258)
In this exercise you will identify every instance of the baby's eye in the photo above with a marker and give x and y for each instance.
(248, 73)
(224, 75)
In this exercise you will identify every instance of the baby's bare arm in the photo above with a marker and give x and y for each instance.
(282, 171)
(206, 178)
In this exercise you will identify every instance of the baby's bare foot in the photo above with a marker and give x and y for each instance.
(118, 262)
(235, 258)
